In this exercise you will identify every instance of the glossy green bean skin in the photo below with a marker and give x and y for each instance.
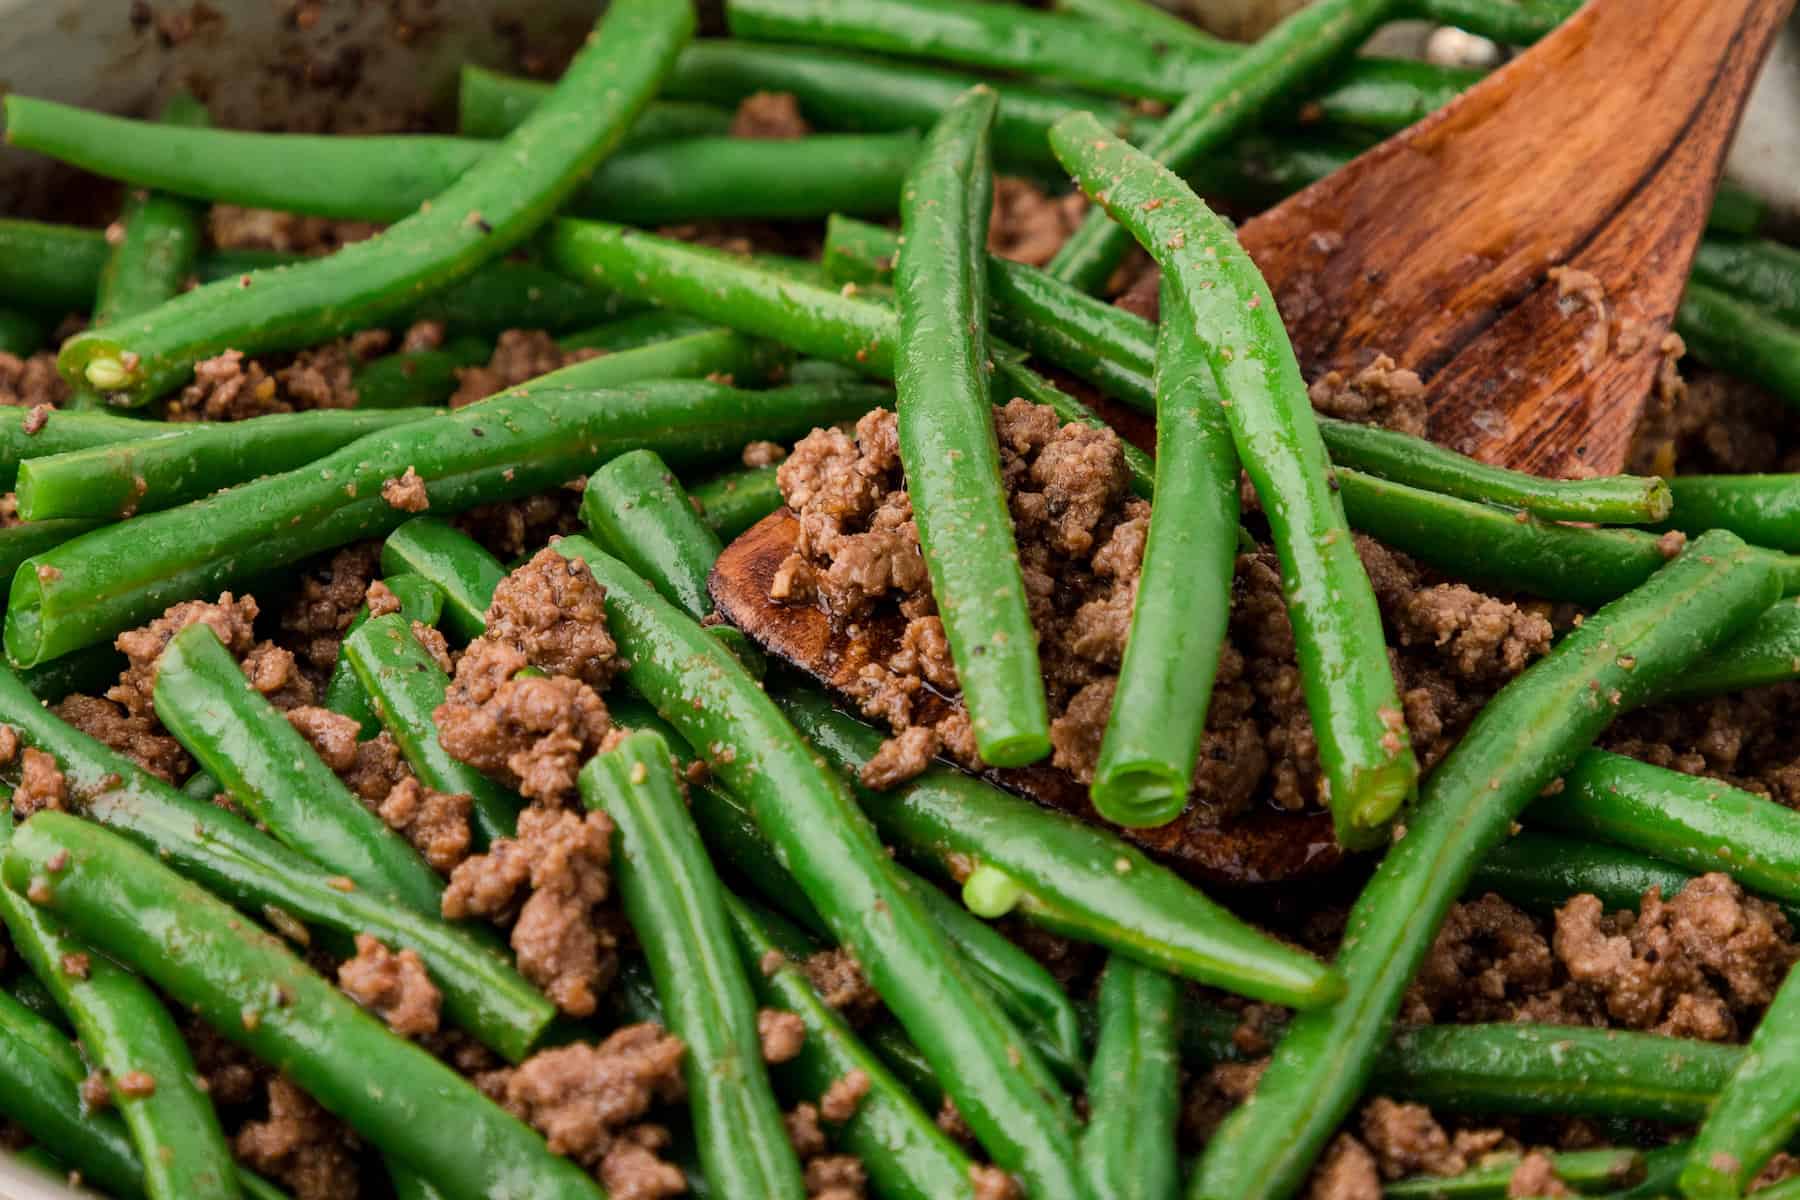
(125, 1028)
(50, 269)
(1761, 509)
(256, 993)
(690, 179)
(733, 502)
(1532, 731)
(947, 445)
(161, 238)
(1730, 335)
(1364, 752)
(676, 905)
(1152, 739)
(1757, 271)
(1584, 1170)
(1069, 873)
(18, 543)
(490, 104)
(1381, 95)
(526, 440)
(1609, 500)
(417, 378)
(1696, 823)
(635, 331)
(908, 1157)
(487, 210)
(1519, 22)
(811, 820)
(1206, 118)
(1134, 1086)
(121, 479)
(1541, 871)
(420, 600)
(638, 512)
(406, 686)
(483, 993)
(460, 566)
(244, 742)
(1768, 651)
(1141, 17)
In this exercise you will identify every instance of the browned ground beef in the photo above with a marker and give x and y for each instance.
(30, 381)
(769, 115)
(395, 987)
(519, 354)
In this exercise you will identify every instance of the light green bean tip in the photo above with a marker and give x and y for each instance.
(109, 373)
(989, 892)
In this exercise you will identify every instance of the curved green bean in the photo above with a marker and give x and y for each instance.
(1757, 271)
(1134, 1088)
(1207, 116)
(523, 441)
(1364, 752)
(1696, 823)
(638, 512)
(483, 993)
(810, 818)
(263, 762)
(1526, 736)
(130, 1037)
(1070, 877)
(121, 479)
(1740, 339)
(258, 994)
(1608, 500)
(491, 105)
(676, 906)
(1490, 1179)
(406, 686)
(947, 444)
(420, 600)
(461, 567)
(734, 501)
(388, 177)
(907, 1156)
(1768, 651)
(486, 211)
(1762, 509)
(161, 236)
(1152, 739)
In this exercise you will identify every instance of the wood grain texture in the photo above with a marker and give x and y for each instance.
(1596, 151)
(1262, 846)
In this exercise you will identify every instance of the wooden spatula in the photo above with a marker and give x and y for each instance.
(1596, 152)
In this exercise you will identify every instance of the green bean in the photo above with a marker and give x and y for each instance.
(1662, 1172)
(21, 333)
(388, 177)
(1364, 752)
(1070, 877)
(491, 105)
(1518, 22)
(121, 479)
(1736, 211)
(1209, 116)
(1134, 1089)
(1787, 1189)
(92, 670)
(1542, 871)
(256, 993)
(1143, 18)
(129, 1036)
(1730, 335)
(416, 378)
(483, 993)
(1526, 736)
(1583, 1170)
(265, 764)
(1609, 500)
(1761, 509)
(50, 269)
(1152, 739)
(1766, 652)
(734, 501)
(513, 295)
(490, 208)
(639, 513)
(406, 687)
(818, 834)
(420, 600)
(460, 567)
(676, 906)
(1694, 822)
(1757, 271)
(907, 1156)
(1382, 95)
(19, 543)
(947, 444)
(524, 441)
(161, 236)
(635, 332)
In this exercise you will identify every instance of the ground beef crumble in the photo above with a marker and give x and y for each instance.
(508, 528)
(519, 354)
(406, 492)
(769, 116)
(1081, 536)
(828, 1176)
(560, 860)
(31, 381)
(395, 987)
(781, 1033)
(1378, 394)
(314, 621)
(300, 1146)
(839, 980)
(1027, 224)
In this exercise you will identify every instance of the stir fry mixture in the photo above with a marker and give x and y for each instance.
(723, 630)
